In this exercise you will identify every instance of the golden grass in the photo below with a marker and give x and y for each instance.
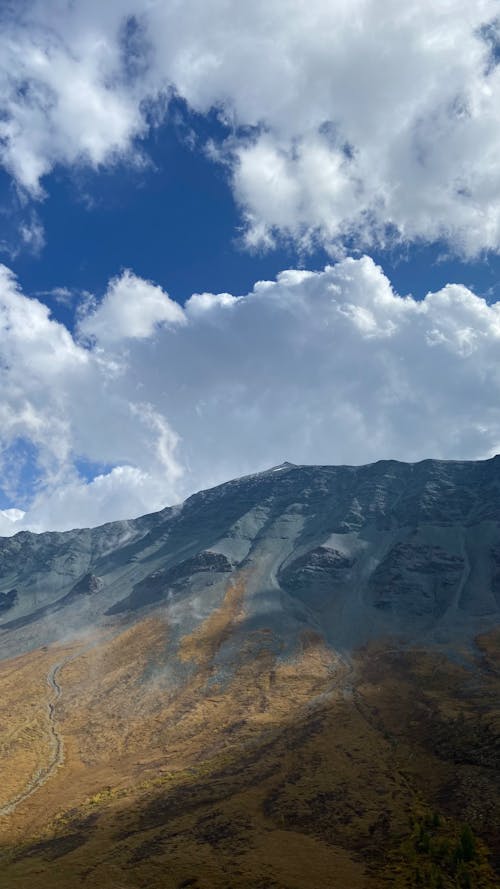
(201, 645)
(281, 777)
(24, 726)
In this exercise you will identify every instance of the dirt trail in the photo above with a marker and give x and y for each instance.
(56, 755)
(56, 744)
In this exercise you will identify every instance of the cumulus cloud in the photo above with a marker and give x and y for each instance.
(123, 492)
(131, 309)
(315, 367)
(62, 92)
(8, 518)
(61, 403)
(357, 120)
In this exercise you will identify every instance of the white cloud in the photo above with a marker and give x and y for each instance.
(62, 295)
(65, 402)
(356, 119)
(32, 234)
(131, 309)
(316, 367)
(61, 91)
(123, 492)
(8, 519)
(201, 303)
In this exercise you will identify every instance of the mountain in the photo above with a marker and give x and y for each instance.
(290, 680)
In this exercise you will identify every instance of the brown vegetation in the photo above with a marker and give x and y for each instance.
(293, 772)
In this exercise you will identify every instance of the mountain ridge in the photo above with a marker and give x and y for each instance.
(417, 541)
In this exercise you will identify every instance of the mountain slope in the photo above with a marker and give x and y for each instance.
(290, 680)
(354, 552)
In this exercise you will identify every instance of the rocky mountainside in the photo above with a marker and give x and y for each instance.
(290, 681)
(354, 553)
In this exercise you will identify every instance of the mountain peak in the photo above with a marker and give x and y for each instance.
(393, 549)
(285, 465)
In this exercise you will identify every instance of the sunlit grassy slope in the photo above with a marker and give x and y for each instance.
(291, 771)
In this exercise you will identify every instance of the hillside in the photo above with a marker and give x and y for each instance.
(290, 680)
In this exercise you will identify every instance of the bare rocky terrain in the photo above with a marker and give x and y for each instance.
(354, 552)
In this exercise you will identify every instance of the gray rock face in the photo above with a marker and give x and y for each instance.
(321, 568)
(406, 550)
(495, 579)
(157, 586)
(8, 600)
(418, 577)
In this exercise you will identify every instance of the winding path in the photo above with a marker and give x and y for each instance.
(56, 758)
(56, 744)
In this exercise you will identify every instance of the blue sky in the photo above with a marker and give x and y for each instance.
(176, 222)
(149, 152)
